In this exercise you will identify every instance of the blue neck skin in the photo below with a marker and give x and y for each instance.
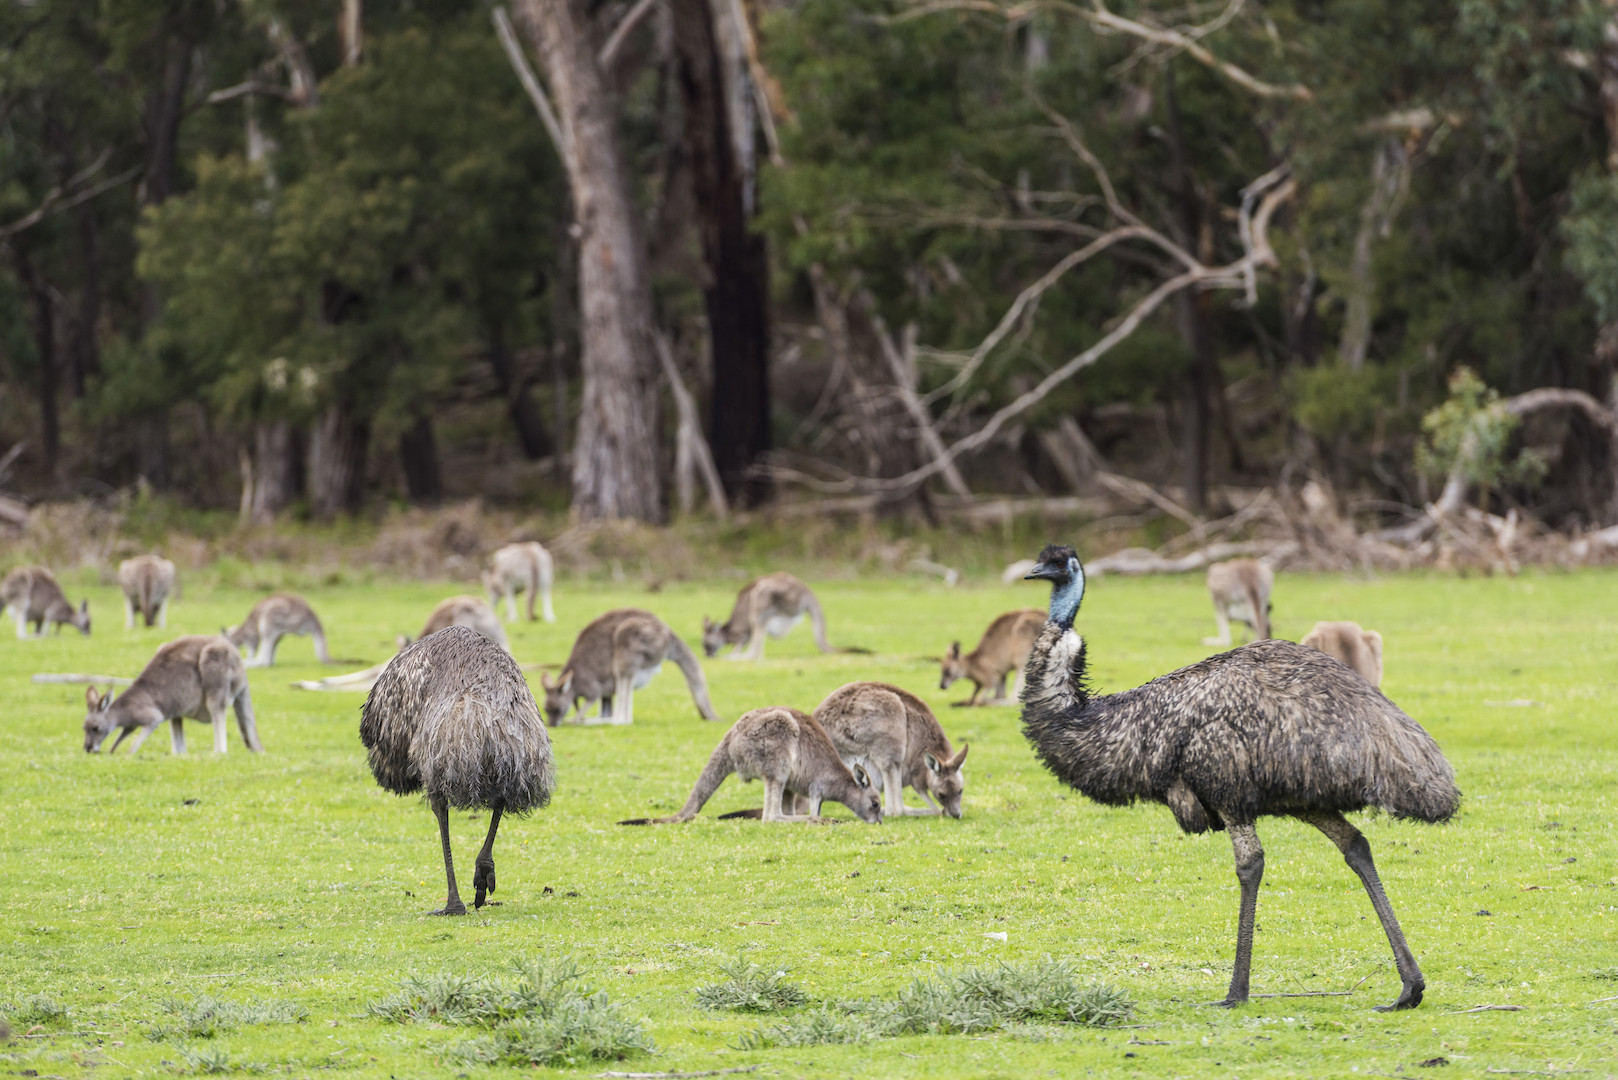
(1067, 595)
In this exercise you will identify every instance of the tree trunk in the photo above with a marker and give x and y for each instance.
(615, 457)
(351, 32)
(86, 344)
(738, 287)
(39, 292)
(276, 473)
(337, 449)
(418, 453)
(1191, 316)
(531, 434)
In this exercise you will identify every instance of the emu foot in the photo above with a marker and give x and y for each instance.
(1409, 998)
(1227, 1002)
(483, 882)
(452, 907)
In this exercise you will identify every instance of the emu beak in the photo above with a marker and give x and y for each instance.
(1046, 572)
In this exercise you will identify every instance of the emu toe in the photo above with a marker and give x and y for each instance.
(1226, 1002)
(483, 881)
(1409, 998)
(452, 907)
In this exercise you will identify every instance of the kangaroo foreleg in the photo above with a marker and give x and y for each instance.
(177, 735)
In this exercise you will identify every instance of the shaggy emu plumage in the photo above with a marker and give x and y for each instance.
(451, 716)
(1270, 728)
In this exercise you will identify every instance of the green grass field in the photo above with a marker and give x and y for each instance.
(290, 877)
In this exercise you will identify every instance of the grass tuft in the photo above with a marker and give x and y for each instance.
(35, 1009)
(974, 1000)
(214, 1061)
(747, 988)
(545, 1016)
(204, 1017)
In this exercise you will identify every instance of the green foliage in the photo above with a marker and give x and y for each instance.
(216, 1061)
(750, 988)
(1472, 433)
(1591, 228)
(204, 1017)
(1332, 400)
(34, 1009)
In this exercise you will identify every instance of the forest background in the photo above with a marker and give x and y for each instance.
(1353, 265)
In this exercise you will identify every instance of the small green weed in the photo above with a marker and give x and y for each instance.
(35, 1009)
(749, 989)
(204, 1017)
(827, 1025)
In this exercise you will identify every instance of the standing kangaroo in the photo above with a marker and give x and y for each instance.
(147, 581)
(196, 676)
(1241, 591)
(766, 607)
(1360, 649)
(271, 619)
(615, 655)
(32, 594)
(894, 735)
(1003, 650)
(794, 757)
(516, 568)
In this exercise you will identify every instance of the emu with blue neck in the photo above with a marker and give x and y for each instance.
(1272, 728)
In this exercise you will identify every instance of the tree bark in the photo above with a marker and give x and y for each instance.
(418, 453)
(531, 434)
(737, 291)
(351, 32)
(86, 343)
(337, 449)
(276, 473)
(1191, 316)
(615, 458)
(39, 293)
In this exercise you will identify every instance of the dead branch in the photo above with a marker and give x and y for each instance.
(1144, 561)
(71, 677)
(530, 82)
(902, 365)
(242, 89)
(691, 450)
(674, 1075)
(631, 19)
(53, 200)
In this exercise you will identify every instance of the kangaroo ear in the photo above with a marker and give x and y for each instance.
(565, 679)
(545, 680)
(84, 607)
(861, 776)
(707, 624)
(960, 756)
(401, 641)
(932, 761)
(955, 650)
(92, 697)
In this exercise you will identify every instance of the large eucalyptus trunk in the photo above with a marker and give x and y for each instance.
(738, 280)
(44, 304)
(337, 449)
(418, 454)
(531, 434)
(615, 458)
(275, 476)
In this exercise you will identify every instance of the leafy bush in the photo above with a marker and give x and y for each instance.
(35, 1009)
(748, 989)
(973, 1000)
(204, 1017)
(545, 1016)
(214, 1060)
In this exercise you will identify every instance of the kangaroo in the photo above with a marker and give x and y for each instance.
(1360, 649)
(519, 568)
(1003, 650)
(196, 676)
(1241, 591)
(615, 655)
(468, 611)
(32, 594)
(147, 581)
(794, 757)
(894, 735)
(767, 606)
(271, 619)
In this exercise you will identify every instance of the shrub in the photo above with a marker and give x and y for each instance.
(204, 1017)
(748, 989)
(35, 1009)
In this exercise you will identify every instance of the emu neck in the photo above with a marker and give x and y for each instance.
(1065, 599)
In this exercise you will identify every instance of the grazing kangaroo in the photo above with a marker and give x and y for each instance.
(894, 735)
(1003, 650)
(1241, 591)
(794, 757)
(1360, 649)
(196, 676)
(147, 581)
(32, 594)
(766, 607)
(271, 619)
(519, 568)
(468, 611)
(615, 655)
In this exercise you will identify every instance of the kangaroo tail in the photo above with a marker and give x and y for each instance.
(319, 633)
(1261, 617)
(682, 655)
(245, 721)
(714, 773)
(148, 610)
(817, 619)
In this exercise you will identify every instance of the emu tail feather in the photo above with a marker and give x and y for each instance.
(686, 660)
(817, 620)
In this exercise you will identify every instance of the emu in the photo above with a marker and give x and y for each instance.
(451, 716)
(1271, 728)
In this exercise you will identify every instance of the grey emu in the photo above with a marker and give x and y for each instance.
(1269, 728)
(452, 716)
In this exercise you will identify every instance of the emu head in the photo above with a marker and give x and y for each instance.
(558, 695)
(867, 803)
(952, 667)
(81, 618)
(944, 781)
(713, 637)
(1059, 565)
(98, 718)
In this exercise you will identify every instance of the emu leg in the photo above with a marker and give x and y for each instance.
(483, 874)
(1250, 872)
(452, 904)
(1357, 853)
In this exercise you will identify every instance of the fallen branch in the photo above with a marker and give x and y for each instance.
(72, 677)
(1143, 561)
(1485, 1008)
(672, 1075)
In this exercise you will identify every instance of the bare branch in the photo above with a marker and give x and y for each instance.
(631, 19)
(57, 199)
(530, 82)
(1547, 397)
(903, 366)
(242, 89)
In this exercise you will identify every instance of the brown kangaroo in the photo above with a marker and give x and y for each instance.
(197, 676)
(1003, 651)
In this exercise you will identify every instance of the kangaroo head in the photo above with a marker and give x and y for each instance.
(557, 697)
(953, 667)
(97, 720)
(944, 781)
(866, 801)
(713, 637)
(81, 618)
